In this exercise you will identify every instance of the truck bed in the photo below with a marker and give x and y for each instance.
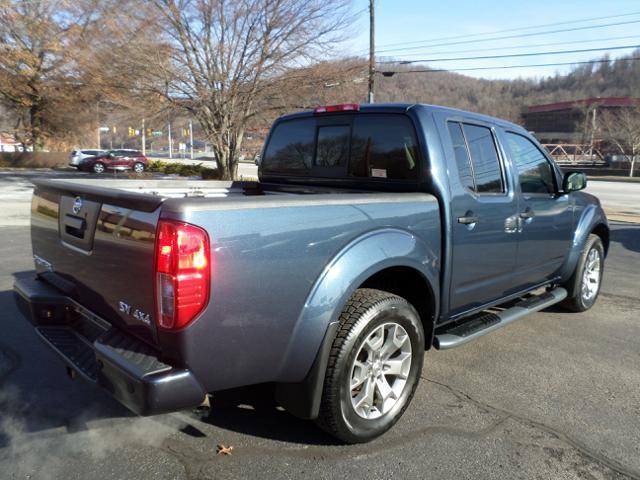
(270, 244)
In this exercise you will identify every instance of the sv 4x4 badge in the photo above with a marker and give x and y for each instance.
(135, 313)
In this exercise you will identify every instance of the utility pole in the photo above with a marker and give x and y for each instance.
(170, 143)
(372, 49)
(191, 137)
(593, 131)
(144, 139)
(98, 117)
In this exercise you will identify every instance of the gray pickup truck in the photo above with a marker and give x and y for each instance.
(374, 234)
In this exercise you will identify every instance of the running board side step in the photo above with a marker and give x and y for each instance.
(487, 322)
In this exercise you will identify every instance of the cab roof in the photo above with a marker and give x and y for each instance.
(404, 108)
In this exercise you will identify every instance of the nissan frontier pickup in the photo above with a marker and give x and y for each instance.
(374, 234)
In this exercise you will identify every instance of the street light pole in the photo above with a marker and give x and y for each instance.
(144, 139)
(372, 50)
(98, 117)
(191, 137)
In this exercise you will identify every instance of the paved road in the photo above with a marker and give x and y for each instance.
(16, 186)
(619, 197)
(556, 395)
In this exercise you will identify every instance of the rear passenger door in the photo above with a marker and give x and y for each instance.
(546, 217)
(484, 223)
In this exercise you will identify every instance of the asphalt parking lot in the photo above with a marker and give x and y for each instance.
(556, 395)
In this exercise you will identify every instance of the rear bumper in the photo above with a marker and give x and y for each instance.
(128, 369)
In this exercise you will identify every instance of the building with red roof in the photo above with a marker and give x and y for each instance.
(561, 122)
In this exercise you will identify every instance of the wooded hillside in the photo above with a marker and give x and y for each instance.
(507, 98)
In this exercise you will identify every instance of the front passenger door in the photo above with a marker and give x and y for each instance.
(546, 216)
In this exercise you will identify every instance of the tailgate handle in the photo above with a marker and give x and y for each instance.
(74, 226)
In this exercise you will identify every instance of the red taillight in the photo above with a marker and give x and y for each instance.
(182, 273)
(343, 107)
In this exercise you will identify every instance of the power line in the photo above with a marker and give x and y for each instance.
(519, 29)
(517, 47)
(507, 37)
(501, 67)
(512, 55)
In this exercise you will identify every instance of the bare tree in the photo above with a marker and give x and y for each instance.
(223, 55)
(622, 128)
(38, 42)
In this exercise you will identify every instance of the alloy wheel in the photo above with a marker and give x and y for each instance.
(591, 275)
(380, 370)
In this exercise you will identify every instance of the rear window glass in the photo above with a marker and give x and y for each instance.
(291, 146)
(333, 146)
(383, 146)
(365, 145)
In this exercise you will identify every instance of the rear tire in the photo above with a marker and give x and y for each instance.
(374, 366)
(584, 285)
(98, 167)
(138, 167)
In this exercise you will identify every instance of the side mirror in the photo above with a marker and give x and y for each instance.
(574, 181)
(111, 155)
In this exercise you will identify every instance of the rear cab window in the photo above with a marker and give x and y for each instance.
(363, 145)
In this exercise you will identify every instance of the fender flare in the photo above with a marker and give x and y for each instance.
(591, 217)
(318, 321)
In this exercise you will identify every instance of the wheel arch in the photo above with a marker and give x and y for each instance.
(410, 284)
(592, 220)
(602, 231)
(391, 258)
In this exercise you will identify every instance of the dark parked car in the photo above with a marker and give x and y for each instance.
(375, 233)
(115, 160)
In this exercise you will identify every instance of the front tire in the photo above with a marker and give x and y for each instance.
(374, 366)
(584, 284)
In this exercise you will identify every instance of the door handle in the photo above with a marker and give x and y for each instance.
(468, 220)
(527, 214)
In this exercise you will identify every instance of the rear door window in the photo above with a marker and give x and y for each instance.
(476, 155)
(384, 146)
(484, 159)
(462, 155)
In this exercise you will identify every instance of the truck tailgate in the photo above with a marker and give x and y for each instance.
(97, 246)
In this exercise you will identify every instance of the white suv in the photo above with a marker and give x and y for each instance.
(77, 156)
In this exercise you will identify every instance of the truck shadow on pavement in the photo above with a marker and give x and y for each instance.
(628, 237)
(38, 397)
(253, 411)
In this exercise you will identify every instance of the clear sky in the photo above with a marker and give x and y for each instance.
(401, 24)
